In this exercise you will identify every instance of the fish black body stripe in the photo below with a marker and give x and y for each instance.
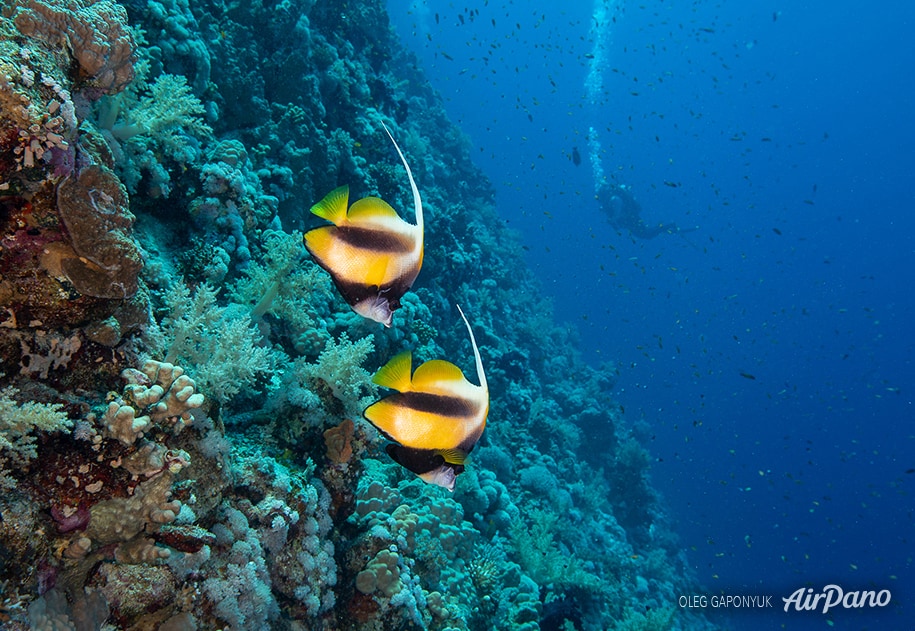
(453, 407)
(373, 240)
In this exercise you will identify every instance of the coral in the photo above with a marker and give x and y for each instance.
(283, 284)
(538, 480)
(105, 261)
(167, 110)
(338, 377)
(216, 341)
(161, 392)
(93, 31)
(122, 521)
(540, 556)
(652, 620)
(39, 118)
(19, 425)
(276, 547)
(52, 353)
(52, 611)
(241, 591)
(181, 45)
(382, 574)
(339, 441)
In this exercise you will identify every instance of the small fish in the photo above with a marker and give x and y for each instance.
(372, 255)
(436, 416)
(747, 375)
(576, 157)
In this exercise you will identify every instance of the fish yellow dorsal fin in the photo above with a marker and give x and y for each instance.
(333, 206)
(396, 373)
(369, 208)
(434, 372)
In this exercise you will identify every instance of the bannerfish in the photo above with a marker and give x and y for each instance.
(372, 255)
(435, 418)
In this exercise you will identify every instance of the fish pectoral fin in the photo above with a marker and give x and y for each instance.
(333, 206)
(453, 456)
(434, 372)
(396, 373)
(370, 208)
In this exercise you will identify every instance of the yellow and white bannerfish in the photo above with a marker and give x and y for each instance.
(436, 417)
(372, 255)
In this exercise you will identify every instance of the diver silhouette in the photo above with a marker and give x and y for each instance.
(625, 213)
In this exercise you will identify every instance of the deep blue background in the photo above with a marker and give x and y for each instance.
(784, 132)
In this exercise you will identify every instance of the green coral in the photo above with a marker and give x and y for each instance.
(338, 375)
(19, 424)
(166, 109)
(283, 283)
(539, 554)
(217, 343)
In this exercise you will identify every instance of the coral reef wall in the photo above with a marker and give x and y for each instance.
(181, 438)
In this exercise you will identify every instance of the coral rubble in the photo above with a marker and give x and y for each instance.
(181, 439)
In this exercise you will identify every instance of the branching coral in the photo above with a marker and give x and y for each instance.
(19, 425)
(338, 375)
(540, 556)
(283, 283)
(162, 392)
(168, 110)
(218, 342)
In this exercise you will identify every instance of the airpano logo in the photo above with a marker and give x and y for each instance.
(833, 596)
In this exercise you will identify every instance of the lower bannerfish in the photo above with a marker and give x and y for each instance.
(436, 416)
(372, 255)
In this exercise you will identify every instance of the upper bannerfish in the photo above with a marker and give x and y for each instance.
(372, 255)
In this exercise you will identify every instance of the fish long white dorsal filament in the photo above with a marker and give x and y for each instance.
(476, 352)
(417, 200)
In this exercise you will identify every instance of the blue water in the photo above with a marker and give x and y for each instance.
(766, 357)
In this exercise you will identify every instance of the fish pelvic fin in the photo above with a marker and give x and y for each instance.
(333, 206)
(453, 456)
(396, 373)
